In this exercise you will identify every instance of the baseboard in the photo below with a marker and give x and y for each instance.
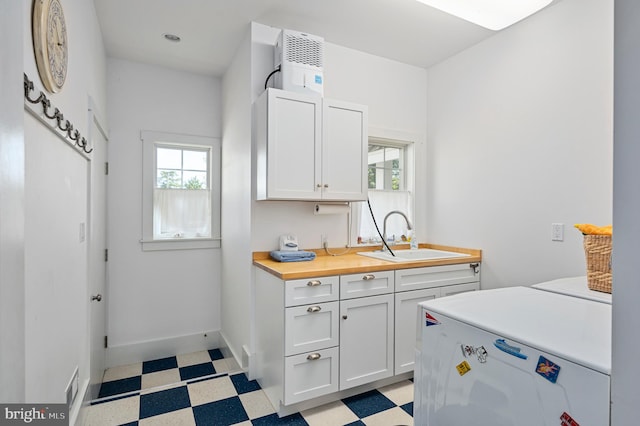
(161, 348)
(241, 359)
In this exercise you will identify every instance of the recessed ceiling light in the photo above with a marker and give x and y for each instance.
(492, 14)
(171, 37)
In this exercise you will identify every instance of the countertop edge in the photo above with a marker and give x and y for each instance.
(352, 263)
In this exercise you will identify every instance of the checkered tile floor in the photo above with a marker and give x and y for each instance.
(204, 388)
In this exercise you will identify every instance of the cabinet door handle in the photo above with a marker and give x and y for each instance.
(344, 317)
(318, 186)
(475, 267)
(314, 283)
(313, 357)
(313, 309)
(326, 185)
(369, 277)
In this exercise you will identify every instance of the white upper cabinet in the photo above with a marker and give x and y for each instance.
(309, 148)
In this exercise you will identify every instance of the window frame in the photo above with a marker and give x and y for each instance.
(408, 143)
(151, 139)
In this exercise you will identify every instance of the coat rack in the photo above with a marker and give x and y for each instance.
(60, 123)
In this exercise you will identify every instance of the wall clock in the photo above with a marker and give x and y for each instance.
(49, 32)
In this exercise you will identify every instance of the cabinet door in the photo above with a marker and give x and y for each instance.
(344, 151)
(311, 327)
(293, 147)
(310, 375)
(406, 325)
(366, 340)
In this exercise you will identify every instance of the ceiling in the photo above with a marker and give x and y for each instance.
(211, 30)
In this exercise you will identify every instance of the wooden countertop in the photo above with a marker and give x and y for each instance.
(351, 263)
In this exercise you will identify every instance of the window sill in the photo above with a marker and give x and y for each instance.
(180, 244)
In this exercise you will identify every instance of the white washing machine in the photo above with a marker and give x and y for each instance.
(574, 286)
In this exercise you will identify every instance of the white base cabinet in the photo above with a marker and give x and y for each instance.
(418, 285)
(322, 336)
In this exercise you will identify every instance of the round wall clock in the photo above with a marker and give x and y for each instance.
(50, 43)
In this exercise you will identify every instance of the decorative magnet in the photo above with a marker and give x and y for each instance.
(463, 368)
(547, 369)
(567, 420)
(430, 320)
(481, 353)
(467, 350)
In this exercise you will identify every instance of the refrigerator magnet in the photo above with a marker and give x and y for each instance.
(547, 369)
(463, 368)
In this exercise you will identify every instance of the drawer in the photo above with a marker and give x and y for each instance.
(311, 327)
(366, 284)
(311, 290)
(459, 288)
(436, 276)
(310, 375)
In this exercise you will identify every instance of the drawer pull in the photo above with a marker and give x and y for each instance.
(313, 357)
(314, 283)
(369, 277)
(313, 309)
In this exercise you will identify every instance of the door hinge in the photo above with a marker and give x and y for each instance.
(106, 167)
(106, 255)
(106, 342)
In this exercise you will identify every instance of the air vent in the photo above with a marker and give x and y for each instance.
(303, 50)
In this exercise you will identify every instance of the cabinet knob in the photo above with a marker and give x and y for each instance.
(313, 309)
(369, 277)
(318, 186)
(344, 317)
(326, 185)
(314, 283)
(313, 357)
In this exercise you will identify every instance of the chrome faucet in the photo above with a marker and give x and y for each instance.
(384, 228)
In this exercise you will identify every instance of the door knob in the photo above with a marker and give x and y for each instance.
(97, 297)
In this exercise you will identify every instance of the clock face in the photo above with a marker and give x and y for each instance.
(50, 43)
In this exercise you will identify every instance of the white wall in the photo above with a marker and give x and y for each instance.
(159, 303)
(56, 201)
(395, 94)
(626, 210)
(236, 199)
(12, 192)
(520, 136)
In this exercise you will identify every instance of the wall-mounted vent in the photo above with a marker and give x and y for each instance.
(304, 50)
(300, 57)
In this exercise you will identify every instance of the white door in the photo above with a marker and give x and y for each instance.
(97, 261)
(294, 135)
(366, 340)
(344, 151)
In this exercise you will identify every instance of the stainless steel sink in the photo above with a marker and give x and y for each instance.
(412, 255)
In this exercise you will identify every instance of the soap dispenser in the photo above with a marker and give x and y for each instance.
(413, 239)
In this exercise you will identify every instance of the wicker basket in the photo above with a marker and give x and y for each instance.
(597, 249)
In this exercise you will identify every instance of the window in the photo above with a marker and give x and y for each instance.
(389, 184)
(181, 191)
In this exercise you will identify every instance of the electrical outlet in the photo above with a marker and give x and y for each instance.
(557, 232)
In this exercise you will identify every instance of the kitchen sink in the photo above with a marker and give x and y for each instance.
(412, 255)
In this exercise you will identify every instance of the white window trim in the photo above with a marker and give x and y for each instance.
(401, 139)
(149, 139)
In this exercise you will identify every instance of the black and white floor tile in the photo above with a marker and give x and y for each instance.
(204, 388)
